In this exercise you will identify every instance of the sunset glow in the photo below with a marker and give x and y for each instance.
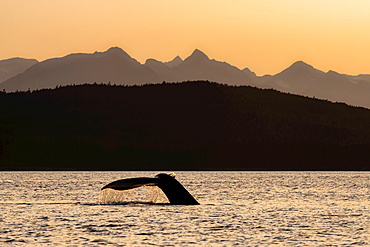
(265, 35)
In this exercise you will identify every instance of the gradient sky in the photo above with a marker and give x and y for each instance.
(263, 35)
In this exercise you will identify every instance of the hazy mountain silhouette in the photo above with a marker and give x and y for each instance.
(13, 66)
(298, 77)
(175, 62)
(117, 67)
(303, 79)
(362, 78)
(164, 72)
(114, 66)
(250, 73)
(199, 67)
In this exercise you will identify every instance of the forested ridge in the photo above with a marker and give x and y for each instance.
(179, 126)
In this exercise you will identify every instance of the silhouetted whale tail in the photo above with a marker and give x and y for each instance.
(175, 192)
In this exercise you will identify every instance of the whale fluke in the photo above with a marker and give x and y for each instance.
(131, 183)
(173, 189)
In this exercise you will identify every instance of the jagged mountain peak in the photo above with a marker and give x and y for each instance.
(113, 65)
(198, 55)
(174, 62)
(301, 64)
(249, 72)
(114, 51)
(332, 72)
(177, 58)
(300, 68)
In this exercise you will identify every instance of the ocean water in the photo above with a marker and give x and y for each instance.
(237, 208)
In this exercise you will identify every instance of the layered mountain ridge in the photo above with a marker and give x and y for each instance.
(13, 66)
(115, 66)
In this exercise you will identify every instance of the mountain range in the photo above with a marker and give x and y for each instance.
(13, 66)
(115, 66)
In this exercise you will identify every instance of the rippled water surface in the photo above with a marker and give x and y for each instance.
(237, 208)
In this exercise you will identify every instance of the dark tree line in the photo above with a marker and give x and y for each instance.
(179, 126)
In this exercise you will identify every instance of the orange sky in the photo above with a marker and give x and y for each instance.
(263, 35)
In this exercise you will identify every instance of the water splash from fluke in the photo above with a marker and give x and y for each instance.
(167, 183)
(144, 194)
